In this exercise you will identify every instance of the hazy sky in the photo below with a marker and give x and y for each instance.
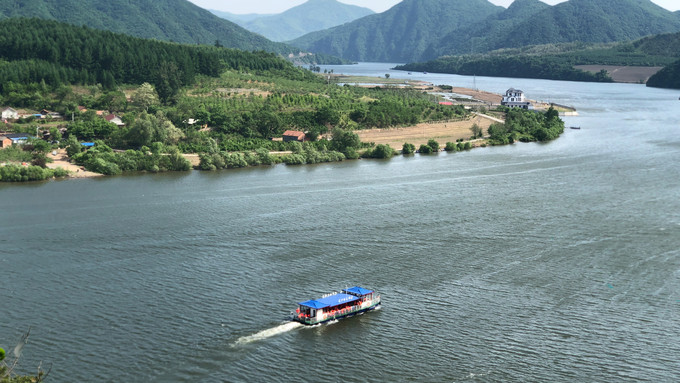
(278, 6)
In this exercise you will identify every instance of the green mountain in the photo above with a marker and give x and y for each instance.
(587, 21)
(400, 34)
(172, 20)
(668, 77)
(558, 61)
(475, 38)
(314, 15)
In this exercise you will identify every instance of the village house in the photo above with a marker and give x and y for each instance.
(9, 139)
(9, 114)
(293, 135)
(514, 98)
(5, 142)
(115, 119)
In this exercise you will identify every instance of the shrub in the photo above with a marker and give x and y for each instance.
(408, 148)
(380, 151)
(434, 145)
(451, 147)
(425, 149)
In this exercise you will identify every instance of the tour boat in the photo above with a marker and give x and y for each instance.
(333, 306)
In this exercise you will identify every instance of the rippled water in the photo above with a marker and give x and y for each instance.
(530, 262)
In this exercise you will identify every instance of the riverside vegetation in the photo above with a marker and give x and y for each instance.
(226, 105)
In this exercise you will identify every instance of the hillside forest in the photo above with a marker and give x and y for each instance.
(173, 98)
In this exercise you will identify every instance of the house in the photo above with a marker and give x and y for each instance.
(293, 135)
(5, 142)
(9, 114)
(514, 98)
(115, 119)
(14, 139)
(82, 109)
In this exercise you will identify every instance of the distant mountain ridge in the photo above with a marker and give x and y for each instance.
(589, 21)
(171, 20)
(400, 34)
(314, 15)
(422, 30)
(237, 17)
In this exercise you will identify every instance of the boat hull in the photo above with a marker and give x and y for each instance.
(315, 321)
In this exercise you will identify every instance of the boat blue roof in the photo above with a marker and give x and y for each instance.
(333, 300)
(358, 290)
(313, 304)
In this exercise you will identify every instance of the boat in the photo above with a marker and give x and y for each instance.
(346, 303)
(575, 127)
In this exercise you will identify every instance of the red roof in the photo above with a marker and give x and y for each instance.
(445, 103)
(294, 133)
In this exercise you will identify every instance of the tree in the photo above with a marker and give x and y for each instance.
(345, 141)
(425, 149)
(387, 75)
(434, 145)
(408, 148)
(145, 96)
(169, 81)
(73, 146)
(477, 132)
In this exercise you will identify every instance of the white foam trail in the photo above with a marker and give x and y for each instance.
(268, 333)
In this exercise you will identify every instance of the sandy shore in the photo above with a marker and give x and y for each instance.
(61, 161)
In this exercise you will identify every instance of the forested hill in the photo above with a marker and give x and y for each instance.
(668, 77)
(314, 15)
(417, 30)
(558, 61)
(586, 21)
(43, 51)
(169, 20)
(476, 38)
(400, 34)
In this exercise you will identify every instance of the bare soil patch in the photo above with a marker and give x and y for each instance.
(628, 74)
(419, 134)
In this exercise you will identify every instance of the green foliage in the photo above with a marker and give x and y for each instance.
(16, 173)
(477, 132)
(433, 144)
(451, 147)
(169, 20)
(102, 159)
(529, 23)
(44, 55)
(408, 148)
(425, 149)
(15, 154)
(380, 151)
(527, 126)
(668, 77)
(542, 67)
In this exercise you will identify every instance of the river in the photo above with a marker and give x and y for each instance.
(534, 262)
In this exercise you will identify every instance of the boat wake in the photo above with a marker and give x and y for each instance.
(268, 333)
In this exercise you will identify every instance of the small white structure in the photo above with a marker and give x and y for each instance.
(514, 98)
(9, 114)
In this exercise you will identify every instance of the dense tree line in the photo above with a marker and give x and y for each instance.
(541, 67)
(526, 126)
(668, 77)
(35, 51)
